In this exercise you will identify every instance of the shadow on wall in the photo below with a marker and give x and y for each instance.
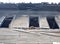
(52, 23)
(6, 22)
(33, 22)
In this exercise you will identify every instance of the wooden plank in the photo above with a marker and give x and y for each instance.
(1, 19)
(22, 22)
(43, 22)
(57, 18)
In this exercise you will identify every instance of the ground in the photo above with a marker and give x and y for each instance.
(33, 36)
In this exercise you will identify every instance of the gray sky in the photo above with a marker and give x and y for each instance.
(27, 1)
